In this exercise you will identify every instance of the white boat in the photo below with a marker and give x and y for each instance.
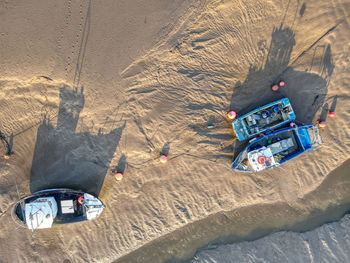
(50, 207)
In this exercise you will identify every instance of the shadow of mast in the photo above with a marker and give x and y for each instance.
(65, 158)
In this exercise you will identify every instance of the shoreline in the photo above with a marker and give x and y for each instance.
(315, 209)
(326, 243)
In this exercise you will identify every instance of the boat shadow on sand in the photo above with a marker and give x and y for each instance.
(66, 158)
(306, 91)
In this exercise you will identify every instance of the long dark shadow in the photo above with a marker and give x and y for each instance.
(66, 158)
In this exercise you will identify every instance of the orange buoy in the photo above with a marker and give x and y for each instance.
(331, 114)
(275, 88)
(118, 176)
(322, 124)
(281, 83)
(292, 124)
(232, 115)
(163, 158)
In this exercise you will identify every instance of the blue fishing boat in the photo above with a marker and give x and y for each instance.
(277, 147)
(268, 117)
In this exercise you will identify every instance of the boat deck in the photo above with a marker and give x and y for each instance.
(281, 145)
(69, 210)
(268, 117)
(268, 140)
(262, 123)
(64, 214)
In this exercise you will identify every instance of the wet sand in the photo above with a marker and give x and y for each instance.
(328, 203)
(328, 243)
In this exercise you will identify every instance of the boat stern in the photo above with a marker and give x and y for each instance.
(239, 130)
(309, 136)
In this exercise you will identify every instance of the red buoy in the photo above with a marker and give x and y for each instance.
(281, 83)
(118, 176)
(331, 114)
(163, 159)
(292, 124)
(275, 88)
(232, 115)
(80, 199)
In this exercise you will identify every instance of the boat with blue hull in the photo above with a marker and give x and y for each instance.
(268, 117)
(277, 147)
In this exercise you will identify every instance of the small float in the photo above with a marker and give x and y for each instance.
(276, 148)
(51, 207)
(268, 117)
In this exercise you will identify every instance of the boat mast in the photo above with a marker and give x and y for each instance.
(31, 216)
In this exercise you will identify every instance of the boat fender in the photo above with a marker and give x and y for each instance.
(322, 124)
(275, 88)
(231, 115)
(118, 176)
(163, 158)
(80, 199)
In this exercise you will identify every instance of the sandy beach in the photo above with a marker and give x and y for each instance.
(90, 87)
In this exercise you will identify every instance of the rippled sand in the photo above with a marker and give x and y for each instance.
(87, 87)
(329, 243)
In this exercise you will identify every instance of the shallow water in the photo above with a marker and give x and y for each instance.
(327, 243)
(327, 203)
